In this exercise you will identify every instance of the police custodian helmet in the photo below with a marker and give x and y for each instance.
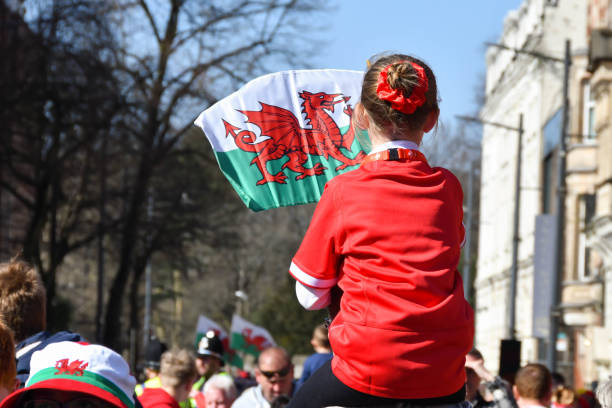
(210, 345)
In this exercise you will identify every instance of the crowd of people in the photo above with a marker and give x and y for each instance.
(57, 370)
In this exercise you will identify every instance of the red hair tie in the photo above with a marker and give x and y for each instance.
(398, 101)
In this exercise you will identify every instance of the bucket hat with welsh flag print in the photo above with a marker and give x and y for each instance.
(77, 367)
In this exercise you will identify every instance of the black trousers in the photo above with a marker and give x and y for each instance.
(323, 389)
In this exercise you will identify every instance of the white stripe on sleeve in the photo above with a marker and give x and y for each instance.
(311, 298)
(308, 280)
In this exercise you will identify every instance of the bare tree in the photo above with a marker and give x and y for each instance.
(58, 100)
(177, 57)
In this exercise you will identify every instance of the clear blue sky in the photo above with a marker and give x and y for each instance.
(447, 34)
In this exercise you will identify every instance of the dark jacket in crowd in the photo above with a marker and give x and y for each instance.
(39, 341)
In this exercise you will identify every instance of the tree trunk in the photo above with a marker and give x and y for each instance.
(112, 330)
(134, 304)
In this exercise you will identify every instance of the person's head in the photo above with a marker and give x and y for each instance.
(22, 299)
(153, 354)
(319, 337)
(177, 373)
(399, 98)
(474, 354)
(8, 370)
(220, 391)
(65, 372)
(533, 383)
(209, 354)
(562, 396)
(557, 380)
(472, 379)
(604, 394)
(274, 373)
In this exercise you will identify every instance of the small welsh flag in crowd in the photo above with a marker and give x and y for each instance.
(204, 326)
(248, 337)
(282, 136)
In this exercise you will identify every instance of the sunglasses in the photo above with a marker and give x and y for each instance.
(271, 374)
(75, 403)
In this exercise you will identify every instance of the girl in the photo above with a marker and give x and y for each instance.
(388, 234)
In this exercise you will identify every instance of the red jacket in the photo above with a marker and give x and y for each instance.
(157, 398)
(389, 235)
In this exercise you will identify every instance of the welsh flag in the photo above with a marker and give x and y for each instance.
(282, 136)
(204, 326)
(248, 337)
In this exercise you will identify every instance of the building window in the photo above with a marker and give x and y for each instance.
(550, 145)
(549, 178)
(586, 211)
(588, 113)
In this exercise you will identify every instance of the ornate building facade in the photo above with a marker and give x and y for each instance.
(599, 228)
(525, 80)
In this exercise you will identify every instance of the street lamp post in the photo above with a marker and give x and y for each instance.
(467, 278)
(515, 233)
(510, 327)
(561, 191)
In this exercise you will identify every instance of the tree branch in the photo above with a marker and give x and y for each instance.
(198, 70)
(145, 8)
(20, 197)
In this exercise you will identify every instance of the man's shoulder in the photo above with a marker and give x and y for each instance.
(319, 356)
(251, 398)
(480, 402)
(42, 339)
(250, 393)
(317, 359)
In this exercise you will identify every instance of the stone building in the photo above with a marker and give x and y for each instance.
(599, 228)
(529, 83)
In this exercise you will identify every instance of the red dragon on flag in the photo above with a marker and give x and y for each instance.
(285, 137)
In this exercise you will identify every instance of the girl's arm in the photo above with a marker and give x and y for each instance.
(314, 266)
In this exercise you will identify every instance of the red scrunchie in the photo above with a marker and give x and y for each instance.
(398, 101)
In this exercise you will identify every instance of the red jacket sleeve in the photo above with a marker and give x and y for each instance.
(316, 262)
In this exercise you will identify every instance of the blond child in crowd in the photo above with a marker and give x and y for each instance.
(177, 374)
